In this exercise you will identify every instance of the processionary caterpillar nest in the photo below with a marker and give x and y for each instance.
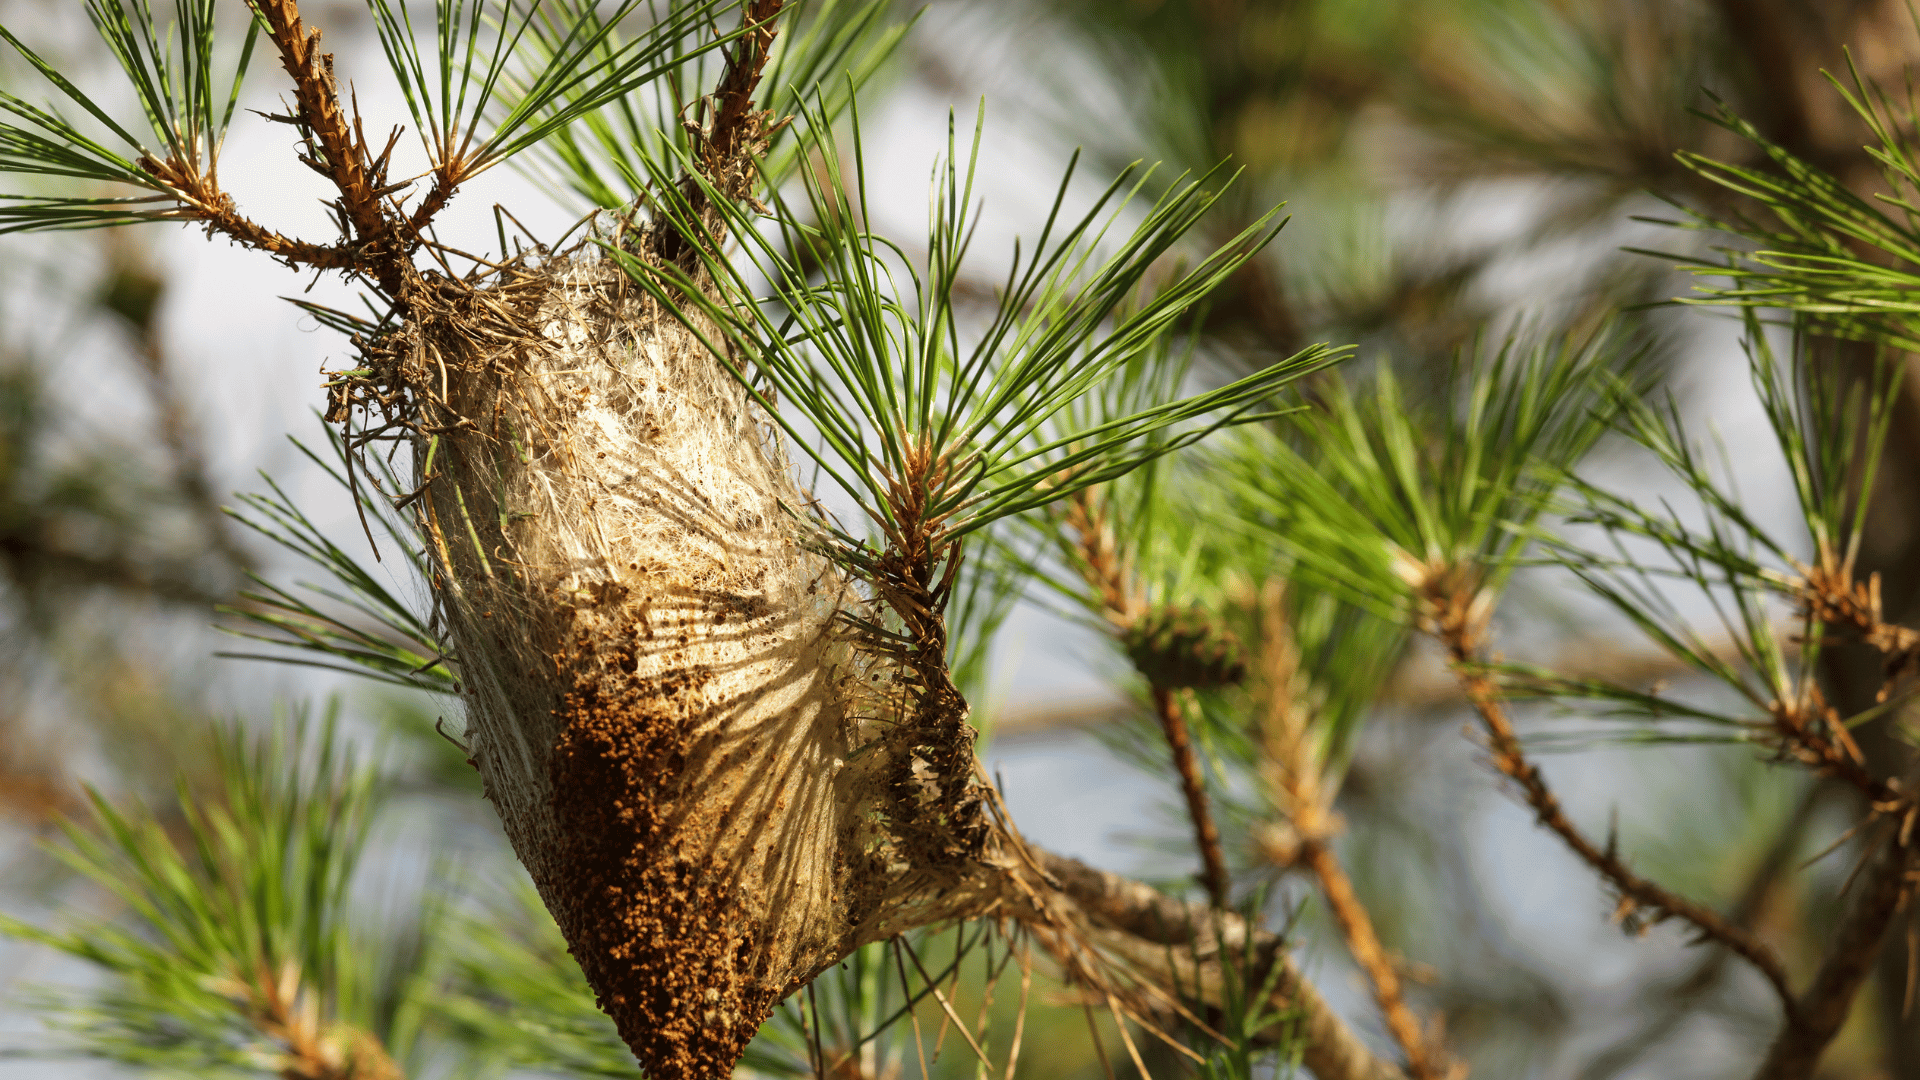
(719, 789)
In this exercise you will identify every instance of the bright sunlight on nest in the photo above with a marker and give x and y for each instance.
(666, 706)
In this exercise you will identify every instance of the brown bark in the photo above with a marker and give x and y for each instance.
(342, 156)
(200, 199)
(1883, 888)
(1292, 770)
(1372, 957)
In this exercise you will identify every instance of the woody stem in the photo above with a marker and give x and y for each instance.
(1206, 835)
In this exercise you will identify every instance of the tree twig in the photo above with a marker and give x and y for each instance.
(1458, 622)
(1373, 958)
(1150, 921)
(200, 199)
(342, 157)
(1680, 999)
(1111, 577)
(1291, 769)
(1166, 709)
(734, 122)
(1885, 887)
(731, 134)
(1414, 686)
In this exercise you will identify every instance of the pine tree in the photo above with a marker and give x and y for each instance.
(727, 732)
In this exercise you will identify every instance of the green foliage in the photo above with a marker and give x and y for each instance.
(238, 955)
(1192, 533)
(537, 67)
(1246, 1035)
(908, 414)
(1344, 657)
(1849, 264)
(171, 71)
(828, 48)
(1830, 431)
(388, 641)
(1371, 494)
(246, 953)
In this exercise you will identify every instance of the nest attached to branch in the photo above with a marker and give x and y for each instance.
(721, 780)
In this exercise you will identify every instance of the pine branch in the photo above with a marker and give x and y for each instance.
(1206, 835)
(201, 199)
(1684, 998)
(1460, 624)
(1885, 888)
(1151, 921)
(342, 157)
(237, 954)
(1424, 1062)
(727, 148)
(735, 125)
(1111, 578)
(1291, 770)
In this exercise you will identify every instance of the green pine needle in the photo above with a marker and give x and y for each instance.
(872, 356)
(505, 76)
(171, 71)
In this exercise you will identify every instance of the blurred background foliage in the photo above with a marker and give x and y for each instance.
(1454, 168)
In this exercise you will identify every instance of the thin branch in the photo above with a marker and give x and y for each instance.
(1291, 770)
(735, 125)
(1166, 709)
(1459, 623)
(342, 158)
(733, 136)
(1418, 686)
(1887, 885)
(1111, 577)
(1151, 921)
(200, 199)
(1682, 999)
(1373, 958)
